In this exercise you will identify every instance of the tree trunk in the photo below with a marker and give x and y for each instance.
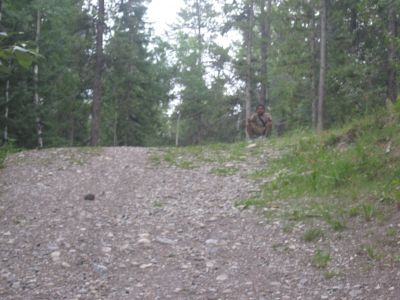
(199, 34)
(322, 66)
(96, 105)
(115, 129)
(71, 130)
(5, 136)
(248, 33)
(392, 76)
(313, 74)
(265, 25)
(39, 126)
(7, 91)
(177, 130)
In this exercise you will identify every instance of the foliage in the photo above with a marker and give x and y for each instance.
(5, 150)
(137, 82)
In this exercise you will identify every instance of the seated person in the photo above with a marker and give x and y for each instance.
(259, 123)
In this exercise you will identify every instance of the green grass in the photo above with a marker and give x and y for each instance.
(5, 150)
(224, 171)
(317, 178)
(313, 234)
(190, 157)
(371, 252)
(321, 259)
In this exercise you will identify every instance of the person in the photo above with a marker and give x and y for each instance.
(260, 123)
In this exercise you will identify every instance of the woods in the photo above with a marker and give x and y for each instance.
(76, 73)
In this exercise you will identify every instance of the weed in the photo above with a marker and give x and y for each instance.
(391, 232)
(330, 274)
(368, 211)
(288, 228)
(251, 202)
(5, 150)
(185, 164)
(157, 204)
(227, 171)
(321, 259)
(313, 234)
(372, 252)
(155, 159)
(335, 221)
(354, 212)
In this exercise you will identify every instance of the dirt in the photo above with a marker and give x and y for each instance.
(113, 224)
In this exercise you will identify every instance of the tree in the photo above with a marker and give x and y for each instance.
(136, 81)
(97, 85)
(322, 66)
(248, 41)
(37, 101)
(265, 28)
(196, 50)
(392, 55)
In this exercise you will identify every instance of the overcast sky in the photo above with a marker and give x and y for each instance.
(162, 13)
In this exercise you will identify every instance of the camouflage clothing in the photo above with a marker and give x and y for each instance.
(259, 125)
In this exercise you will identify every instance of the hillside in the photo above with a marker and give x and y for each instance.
(298, 217)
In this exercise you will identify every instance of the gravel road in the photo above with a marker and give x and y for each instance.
(155, 231)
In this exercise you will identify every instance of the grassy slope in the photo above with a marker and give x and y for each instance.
(328, 182)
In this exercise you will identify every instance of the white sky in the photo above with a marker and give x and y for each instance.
(162, 13)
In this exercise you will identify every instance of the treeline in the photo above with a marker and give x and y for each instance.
(51, 101)
(314, 63)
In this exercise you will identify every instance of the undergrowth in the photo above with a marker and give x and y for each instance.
(5, 150)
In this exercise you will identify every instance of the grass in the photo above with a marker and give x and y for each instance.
(157, 204)
(342, 173)
(225, 171)
(313, 234)
(321, 259)
(5, 150)
(370, 251)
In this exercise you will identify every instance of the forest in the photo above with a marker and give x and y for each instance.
(79, 72)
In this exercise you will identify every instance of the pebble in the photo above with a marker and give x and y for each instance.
(144, 241)
(210, 264)
(166, 241)
(212, 242)
(55, 256)
(355, 293)
(275, 283)
(222, 277)
(106, 249)
(100, 268)
(145, 266)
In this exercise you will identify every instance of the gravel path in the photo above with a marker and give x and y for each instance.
(154, 232)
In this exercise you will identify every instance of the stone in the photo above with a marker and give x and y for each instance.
(222, 277)
(354, 293)
(106, 249)
(144, 241)
(89, 197)
(100, 268)
(145, 266)
(163, 240)
(55, 256)
(212, 242)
